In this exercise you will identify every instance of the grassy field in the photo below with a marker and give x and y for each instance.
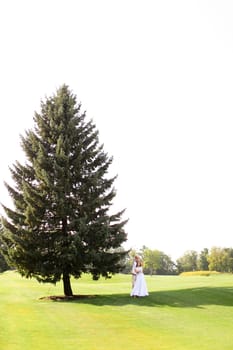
(181, 313)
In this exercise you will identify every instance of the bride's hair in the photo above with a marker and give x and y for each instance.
(139, 263)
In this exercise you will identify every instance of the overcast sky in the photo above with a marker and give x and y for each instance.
(156, 77)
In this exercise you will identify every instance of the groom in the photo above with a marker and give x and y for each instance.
(134, 274)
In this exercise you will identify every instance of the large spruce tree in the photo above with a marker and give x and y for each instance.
(61, 225)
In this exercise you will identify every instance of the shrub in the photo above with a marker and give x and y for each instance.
(199, 273)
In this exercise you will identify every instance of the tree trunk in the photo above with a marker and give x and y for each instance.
(67, 285)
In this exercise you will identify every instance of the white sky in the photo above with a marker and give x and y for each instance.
(157, 79)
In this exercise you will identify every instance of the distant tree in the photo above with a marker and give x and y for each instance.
(187, 262)
(156, 262)
(202, 262)
(151, 261)
(3, 264)
(166, 266)
(221, 259)
(61, 225)
(229, 252)
(142, 251)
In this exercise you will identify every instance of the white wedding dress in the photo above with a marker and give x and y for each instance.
(140, 287)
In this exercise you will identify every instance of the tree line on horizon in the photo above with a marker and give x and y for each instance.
(157, 262)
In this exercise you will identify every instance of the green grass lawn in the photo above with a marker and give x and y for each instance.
(181, 313)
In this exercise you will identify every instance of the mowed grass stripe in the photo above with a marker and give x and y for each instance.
(180, 313)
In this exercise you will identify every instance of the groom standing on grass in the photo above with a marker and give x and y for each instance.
(134, 274)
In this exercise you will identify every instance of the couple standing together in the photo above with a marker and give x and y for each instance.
(139, 288)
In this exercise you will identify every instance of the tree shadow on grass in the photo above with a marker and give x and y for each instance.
(182, 298)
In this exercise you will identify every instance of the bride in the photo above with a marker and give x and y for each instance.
(140, 287)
